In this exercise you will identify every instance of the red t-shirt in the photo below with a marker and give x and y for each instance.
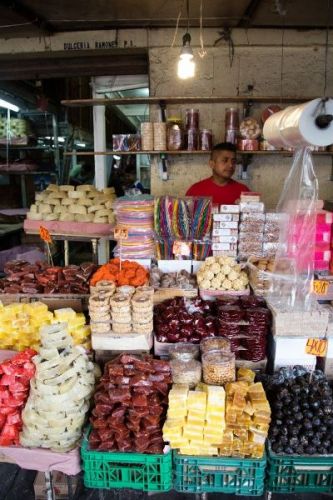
(222, 195)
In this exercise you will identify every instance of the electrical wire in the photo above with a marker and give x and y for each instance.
(177, 25)
(202, 51)
(282, 60)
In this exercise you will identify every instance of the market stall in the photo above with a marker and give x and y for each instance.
(207, 330)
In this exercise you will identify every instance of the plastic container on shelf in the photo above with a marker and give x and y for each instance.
(160, 141)
(175, 135)
(147, 136)
(231, 135)
(218, 368)
(184, 351)
(192, 139)
(137, 471)
(205, 139)
(299, 473)
(192, 118)
(215, 344)
(232, 118)
(186, 372)
(239, 476)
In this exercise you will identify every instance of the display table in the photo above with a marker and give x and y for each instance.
(72, 231)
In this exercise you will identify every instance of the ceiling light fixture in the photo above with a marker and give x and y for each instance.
(186, 64)
(9, 105)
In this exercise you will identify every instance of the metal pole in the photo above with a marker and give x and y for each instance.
(100, 164)
(56, 145)
(66, 252)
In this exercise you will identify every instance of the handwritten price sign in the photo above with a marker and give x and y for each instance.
(316, 347)
(320, 287)
(182, 248)
(120, 233)
(44, 234)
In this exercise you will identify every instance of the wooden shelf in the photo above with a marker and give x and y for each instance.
(124, 153)
(179, 100)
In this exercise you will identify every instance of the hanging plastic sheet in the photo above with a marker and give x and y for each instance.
(293, 273)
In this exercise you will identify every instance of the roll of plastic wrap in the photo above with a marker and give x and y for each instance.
(296, 126)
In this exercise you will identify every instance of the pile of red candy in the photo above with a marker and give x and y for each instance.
(245, 322)
(130, 405)
(15, 375)
(23, 277)
(184, 320)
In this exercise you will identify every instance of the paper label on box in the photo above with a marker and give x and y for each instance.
(230, 209)
(229, 225)
(222, 217)
(228, 239)
(224, 246)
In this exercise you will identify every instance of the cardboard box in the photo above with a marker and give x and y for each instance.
(299, 323)
(225, 218)
(59, 483)
(290, 351)
(115, 342)
(174, 266)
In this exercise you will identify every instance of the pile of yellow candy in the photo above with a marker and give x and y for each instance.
(195, 419)
(211, 421)
(248, 415)
(20, 324)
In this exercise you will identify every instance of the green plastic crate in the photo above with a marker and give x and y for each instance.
(126, 470)
(239, 476)
(299, 474)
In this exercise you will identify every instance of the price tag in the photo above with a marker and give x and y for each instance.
(316, 347)
(120, 233)
(182, 248)
(44, 234)
(320, 287)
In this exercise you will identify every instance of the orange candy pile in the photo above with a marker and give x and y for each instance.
(130, 273)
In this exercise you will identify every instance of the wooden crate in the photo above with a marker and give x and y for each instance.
(162, 294)
(78, 302)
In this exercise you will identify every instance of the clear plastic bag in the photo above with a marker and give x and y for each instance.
(293, 273)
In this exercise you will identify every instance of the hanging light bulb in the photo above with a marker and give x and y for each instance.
(186, 64)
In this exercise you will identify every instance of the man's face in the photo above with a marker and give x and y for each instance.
(223, 164)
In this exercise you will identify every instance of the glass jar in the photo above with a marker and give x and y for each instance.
(231, 118)
(215, 344)
(192, 118)
(218, 368)
(184, 351)
(186, 372)
(192, 139)
(206, 139)
(174, 135)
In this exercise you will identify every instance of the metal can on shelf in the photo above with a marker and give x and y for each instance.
(192, 139)
(248, 145)
(192, 118)
(206, 139)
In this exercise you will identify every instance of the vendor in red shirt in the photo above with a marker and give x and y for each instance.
(220, 186)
